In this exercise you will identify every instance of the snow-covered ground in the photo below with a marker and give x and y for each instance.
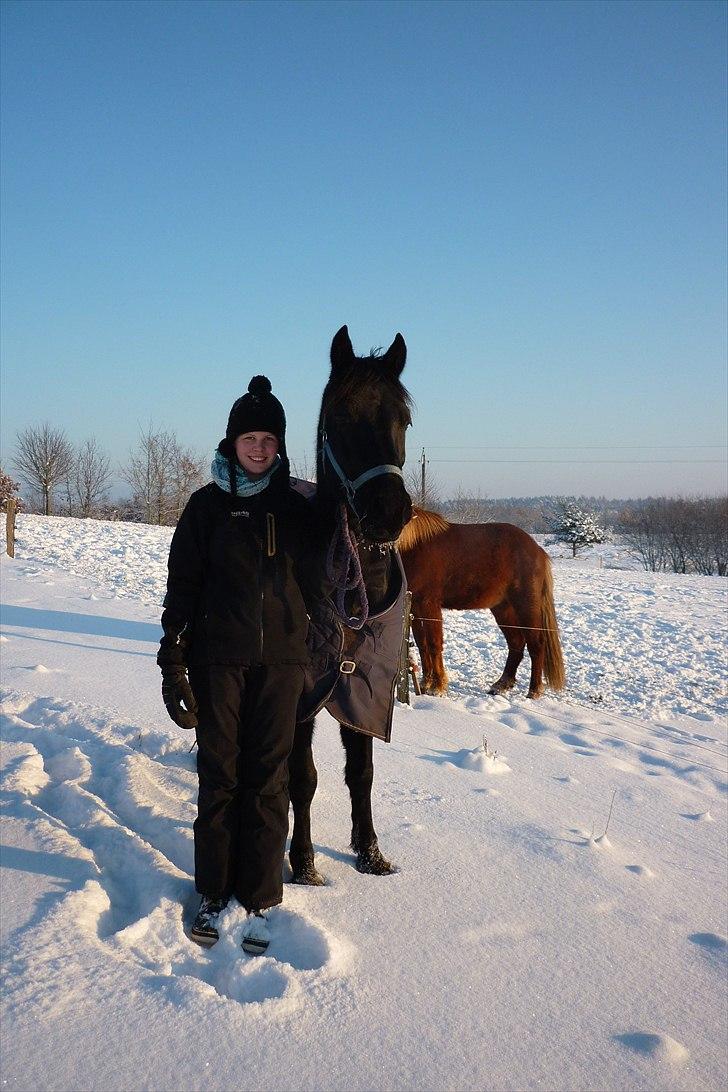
(517, 947)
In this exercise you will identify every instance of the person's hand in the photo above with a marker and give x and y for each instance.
(178, 697)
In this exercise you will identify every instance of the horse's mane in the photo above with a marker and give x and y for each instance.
(423, 526)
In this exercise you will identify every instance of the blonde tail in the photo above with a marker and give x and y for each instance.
(553, 660)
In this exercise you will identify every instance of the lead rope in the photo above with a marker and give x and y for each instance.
(343, 569)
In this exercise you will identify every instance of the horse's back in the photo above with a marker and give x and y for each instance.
(473, 565)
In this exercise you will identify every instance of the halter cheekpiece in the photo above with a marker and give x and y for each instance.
(351, 486)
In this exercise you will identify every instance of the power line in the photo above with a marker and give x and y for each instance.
(583, 462)
(572, 447)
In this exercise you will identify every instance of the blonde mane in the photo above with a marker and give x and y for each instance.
(423, 526)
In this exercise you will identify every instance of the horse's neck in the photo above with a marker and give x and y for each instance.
(376, 567)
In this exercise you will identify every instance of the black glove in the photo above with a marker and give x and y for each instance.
(178, 697)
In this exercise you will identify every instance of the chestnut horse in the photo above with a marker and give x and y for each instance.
(464, 566)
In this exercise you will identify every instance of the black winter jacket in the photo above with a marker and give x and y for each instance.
(240, 573)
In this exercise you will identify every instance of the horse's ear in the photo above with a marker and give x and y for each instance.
(396, 355)
(342, 351)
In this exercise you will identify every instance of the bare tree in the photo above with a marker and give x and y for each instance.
(642, 531)
(717, 533)
(43, 458)
(465, 508)
(91, 476)
(142, 472)
(164, 453)
(66, 492)
(302, 469)
(162, 475)
(138, 473)
(188, 473)
(430, 499)
(682, 534)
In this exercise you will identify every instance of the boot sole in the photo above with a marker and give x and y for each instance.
(205, 939)
(254, 947)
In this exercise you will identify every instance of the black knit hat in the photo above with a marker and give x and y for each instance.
(257, 411)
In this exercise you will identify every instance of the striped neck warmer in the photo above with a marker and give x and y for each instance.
(244, 486)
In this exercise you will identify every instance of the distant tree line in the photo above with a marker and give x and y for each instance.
(677, 534)
(533, 514)
(59, 478)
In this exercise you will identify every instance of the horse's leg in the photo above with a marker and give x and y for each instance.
(302, 781)
(508, 622)
(536, 651)
(359, 775)
(420, 637)
(418, 632)
(535, 640)
(427, 630)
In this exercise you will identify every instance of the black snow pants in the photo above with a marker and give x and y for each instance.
(247, 717)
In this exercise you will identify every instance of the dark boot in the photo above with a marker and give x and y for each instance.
(204, 927)
(256, 935)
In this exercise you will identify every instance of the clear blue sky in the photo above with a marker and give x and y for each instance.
(533, 194)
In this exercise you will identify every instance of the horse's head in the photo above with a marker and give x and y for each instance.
(365, 412)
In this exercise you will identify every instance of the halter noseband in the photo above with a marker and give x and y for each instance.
(350, 487)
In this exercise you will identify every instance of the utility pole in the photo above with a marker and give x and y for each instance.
(423, 464)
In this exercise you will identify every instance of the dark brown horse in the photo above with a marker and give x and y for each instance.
(465, 566)
(365, 412)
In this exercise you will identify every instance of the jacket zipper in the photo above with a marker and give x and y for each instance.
(270, 550)
(262, 598)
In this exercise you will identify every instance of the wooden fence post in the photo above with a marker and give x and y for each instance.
(10, 526)
(403, 673)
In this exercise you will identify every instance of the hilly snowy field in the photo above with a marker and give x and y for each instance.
(518, 946)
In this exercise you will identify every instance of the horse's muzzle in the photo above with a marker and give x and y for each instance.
(386, 512)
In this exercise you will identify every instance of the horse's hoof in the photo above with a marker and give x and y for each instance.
(500, 688)
(371, 862)
(307, 875)
(310, 878)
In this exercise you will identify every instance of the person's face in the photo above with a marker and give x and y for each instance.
(256, 452)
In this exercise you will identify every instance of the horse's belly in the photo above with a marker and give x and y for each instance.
(471, 595)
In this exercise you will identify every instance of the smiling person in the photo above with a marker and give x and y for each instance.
(232, 659)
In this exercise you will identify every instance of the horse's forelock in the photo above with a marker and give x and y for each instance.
(423, 526)
(362, 382)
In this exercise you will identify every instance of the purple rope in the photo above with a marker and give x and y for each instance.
(343, 569)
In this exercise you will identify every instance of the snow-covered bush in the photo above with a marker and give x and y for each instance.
(8, 489)
(574, 525)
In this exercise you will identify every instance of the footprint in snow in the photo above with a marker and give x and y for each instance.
(133, 899)
(642, 871)
(710, 942)
(581, 746)
(662, 1048)
(300, 953)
